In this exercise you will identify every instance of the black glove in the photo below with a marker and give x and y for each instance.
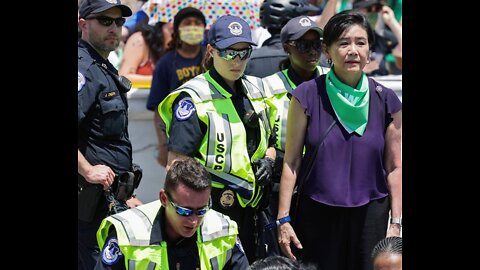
(263, 169)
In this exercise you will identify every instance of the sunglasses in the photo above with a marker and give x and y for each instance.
(186, 212)
(305, 46)
(107, 21)
(230, 54)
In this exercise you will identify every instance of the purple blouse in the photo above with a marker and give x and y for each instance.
(349, 169)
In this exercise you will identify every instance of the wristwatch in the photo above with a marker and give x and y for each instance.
(397, 220)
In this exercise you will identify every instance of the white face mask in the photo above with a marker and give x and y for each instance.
(192, 35)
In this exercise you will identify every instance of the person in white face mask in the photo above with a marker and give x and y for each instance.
(181, 62)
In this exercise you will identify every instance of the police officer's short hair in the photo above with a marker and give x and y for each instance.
(188, 172)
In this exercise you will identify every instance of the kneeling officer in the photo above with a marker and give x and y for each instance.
(179, 231)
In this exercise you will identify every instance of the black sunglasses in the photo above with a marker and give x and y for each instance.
(186, 212)
(305, 46)
(230, 54)
(107, 21)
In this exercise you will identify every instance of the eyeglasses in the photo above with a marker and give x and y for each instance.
(305, 46)
(186, 212)
(107, 21)
(230, 54)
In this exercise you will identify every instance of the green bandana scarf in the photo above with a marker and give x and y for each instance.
(350, 104)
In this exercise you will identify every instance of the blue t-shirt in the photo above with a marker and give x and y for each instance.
(171, 71)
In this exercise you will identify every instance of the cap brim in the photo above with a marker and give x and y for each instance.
(223, 44)
(126, 11)
(301, 33)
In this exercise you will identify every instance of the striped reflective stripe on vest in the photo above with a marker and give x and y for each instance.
(254, 87)
(202, 83)
(217, 226)
(132, 264)
(220, 139)
(286, 84)
(137, 219)
(281, 138)
(266, 122)
(278, 83)
(239, 185)
(214, 260)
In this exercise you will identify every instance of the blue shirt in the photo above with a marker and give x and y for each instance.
(171, 71)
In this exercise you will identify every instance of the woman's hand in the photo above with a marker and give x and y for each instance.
(394, 230)
(286, 234)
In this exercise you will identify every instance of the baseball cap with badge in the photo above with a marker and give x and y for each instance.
(228, 30)
(297, 27)
(96, 6)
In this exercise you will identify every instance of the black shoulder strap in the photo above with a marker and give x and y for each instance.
(123, 84)
(309, 165)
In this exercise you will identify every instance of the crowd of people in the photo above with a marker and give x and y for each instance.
(281, 153)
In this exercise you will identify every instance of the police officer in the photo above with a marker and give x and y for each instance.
(104, 148)
(177, 232)
(219, 117)
(274, 14)
(301, 38)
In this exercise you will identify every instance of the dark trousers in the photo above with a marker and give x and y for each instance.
(340, 238)
(270, 237)
(88, 250)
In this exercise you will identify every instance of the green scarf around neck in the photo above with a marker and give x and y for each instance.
(350, 104)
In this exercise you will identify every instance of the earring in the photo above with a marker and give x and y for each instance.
(329, 61)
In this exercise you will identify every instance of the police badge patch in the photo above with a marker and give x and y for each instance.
(227, 199)
(81, 81)
(184, 109)
(111, 252)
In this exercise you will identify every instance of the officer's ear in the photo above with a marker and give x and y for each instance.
(286, 48)
(163, 197)
(82, 24)
(210, 50)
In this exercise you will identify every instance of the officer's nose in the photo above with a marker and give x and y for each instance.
(194, 219)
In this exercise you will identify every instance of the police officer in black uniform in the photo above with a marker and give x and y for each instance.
(104, 147)
(274, 14)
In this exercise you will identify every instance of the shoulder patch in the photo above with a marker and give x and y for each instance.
(81, 81)
(184, 109)
(111, 252)
(239, 245)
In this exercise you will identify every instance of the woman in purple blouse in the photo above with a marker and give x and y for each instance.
(355, 180)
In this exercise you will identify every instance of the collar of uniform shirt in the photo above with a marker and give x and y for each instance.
(214, 74)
